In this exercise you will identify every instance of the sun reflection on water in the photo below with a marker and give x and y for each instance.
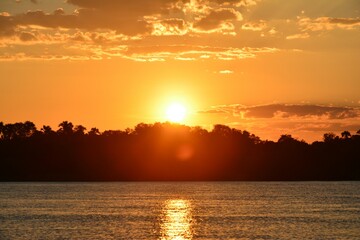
(176, 222)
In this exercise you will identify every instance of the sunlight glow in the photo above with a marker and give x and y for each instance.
(176, 112)
(177, 220)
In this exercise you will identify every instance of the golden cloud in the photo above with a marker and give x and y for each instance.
(327, 23)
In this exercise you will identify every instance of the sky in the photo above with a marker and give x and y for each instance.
(270, 67)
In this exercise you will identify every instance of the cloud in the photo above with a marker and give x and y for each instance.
(84, 44)
(327, 23)
(218, 19)
(271, 120)
(308, 130)
(254, 26)
(136, 18)
(273, 31)
(237, 3)
(289, 111)
(5, 14)
(298, 36)
(169, 27)
(7, 26)
(130, 10)
(87, 19)
(113, 29)
(125, 17)
(193, 52)
(226, 72)
(345, 21)
(59, 11)
(46, 57)
(27, 36)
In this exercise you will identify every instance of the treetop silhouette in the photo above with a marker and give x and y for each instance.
(168, 151)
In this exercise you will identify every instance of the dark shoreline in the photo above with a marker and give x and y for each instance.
(171, 152)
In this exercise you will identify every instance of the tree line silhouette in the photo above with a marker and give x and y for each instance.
(168, 151)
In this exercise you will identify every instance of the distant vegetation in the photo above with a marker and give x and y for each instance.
(166, 151)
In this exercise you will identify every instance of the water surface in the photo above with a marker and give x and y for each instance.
(180, 210)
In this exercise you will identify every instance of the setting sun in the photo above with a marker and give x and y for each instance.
(175, 112)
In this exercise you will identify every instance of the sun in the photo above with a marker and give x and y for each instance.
(176, 112)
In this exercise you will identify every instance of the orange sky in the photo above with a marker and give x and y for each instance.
(267, 66)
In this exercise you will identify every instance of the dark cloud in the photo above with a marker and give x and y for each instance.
(216, 17)
(27, 36)
(321, 127)
(128, 9)
(40, 18)
(172, 26)
(254, 26)
(327, 23)
(6, 26)
(345, 21)
(235, 2)
(288, 111)
(84, 19)
(308, 130)
(285, 9)
(125, 17)
(59, 11)
(132, 18)
(178, 23)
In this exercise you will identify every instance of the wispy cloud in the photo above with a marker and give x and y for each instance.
(149, 53)
(327, 23)
(226, 72)
(305, 120)
(218, 20)
(254, 26)
(298, 36)
(287, 111)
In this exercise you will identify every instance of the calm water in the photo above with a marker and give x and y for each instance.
(202, 210)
